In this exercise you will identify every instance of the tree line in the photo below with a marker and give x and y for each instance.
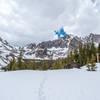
(87, 54)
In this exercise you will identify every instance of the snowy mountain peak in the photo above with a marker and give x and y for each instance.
(54, 49)
(58, 48)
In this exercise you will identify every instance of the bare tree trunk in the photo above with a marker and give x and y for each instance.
(97, 57)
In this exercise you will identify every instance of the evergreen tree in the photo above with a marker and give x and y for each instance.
(91, 64)
(80, 56)
(59, 64)
(44, 65)
(67, 60)
(85, 55)
(10, 65)
(88, 64)
(12, 62)
(20, 64)
(80, 49)
(54, 66)
(15, 66)
(34, 65)
(93, 68)
(76, 55)
(80, 59)
(88, 52)
(63, 63)
(71, 57)
(93, 49)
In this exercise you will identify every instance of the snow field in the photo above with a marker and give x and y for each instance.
(74, 84)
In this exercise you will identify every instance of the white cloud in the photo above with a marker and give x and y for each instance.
(5, 8)
(24, 21)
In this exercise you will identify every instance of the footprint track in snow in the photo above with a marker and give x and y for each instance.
(41, 94)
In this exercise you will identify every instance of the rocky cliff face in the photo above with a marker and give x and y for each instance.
(60, 47)
(46, 50)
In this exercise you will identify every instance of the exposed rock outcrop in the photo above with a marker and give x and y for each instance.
(54, 49)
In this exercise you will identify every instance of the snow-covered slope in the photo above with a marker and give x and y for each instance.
(58, 48)
(54, 49)
(74, 84)
(6, 51)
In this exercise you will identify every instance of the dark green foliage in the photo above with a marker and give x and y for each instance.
(84, 55)
(76, 55)
(93, 68)
(59, 64)
(93, 49)
(88, 64)
(80, 59)
(34, 65)
(67, 60)
(54, 66)
(71, 57)
(12, 64)
(44, 65)
(20, 66)
(81, 55)
(91, 64)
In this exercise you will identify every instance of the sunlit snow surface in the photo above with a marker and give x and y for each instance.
(74, 84)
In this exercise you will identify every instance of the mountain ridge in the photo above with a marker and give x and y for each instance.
(53, 49)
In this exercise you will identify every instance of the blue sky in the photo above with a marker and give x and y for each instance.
(26, 21)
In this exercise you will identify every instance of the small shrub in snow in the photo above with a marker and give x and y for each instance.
(91, 67)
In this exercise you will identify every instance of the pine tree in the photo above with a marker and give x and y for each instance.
(80, 55)
(54, 65)
(93, 68)
(34, 65)
(20, 64)
(12, 62)
(63, 63)
(88, 51)
(59, 64)
(80, 59)
(71, 57)
(75, 55)
(10, 65)
(88, 64)
(93, 49)
(84, 54)
(80, 49)
(15, 66)
(67, 60)
(44, 65)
